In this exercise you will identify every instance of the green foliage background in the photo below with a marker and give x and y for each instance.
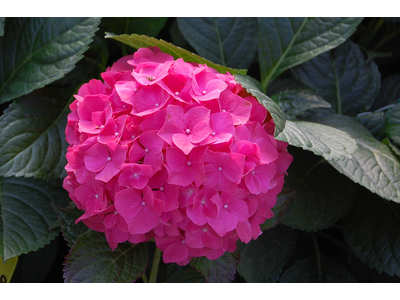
(332, 86)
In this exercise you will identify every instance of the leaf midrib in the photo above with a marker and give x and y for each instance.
(266, 80)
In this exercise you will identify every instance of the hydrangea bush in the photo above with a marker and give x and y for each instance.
(228, 149)
(174, 151)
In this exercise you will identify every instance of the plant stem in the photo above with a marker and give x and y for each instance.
(318, 256)
(154, 268)
(145, 278)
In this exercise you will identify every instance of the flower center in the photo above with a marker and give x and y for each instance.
(226, 206)
(177, 93)
(219, 168)
(96, 196)
(109, 158)
(204, 92)
(146, 150)
(162, 188)
(143, 203)
(187, 131)
(189, 163)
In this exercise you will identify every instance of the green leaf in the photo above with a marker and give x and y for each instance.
(37, 51)
(186, 276)
(92, 260)
(265, 256)
(389, 93)
(286, 42)
(324, 141)
(227, 41)
(374, 122)
(2, 23)
(393, 124)
(372, 230)
(306, 271)
(374, 165)
(343, 78)
(220, 270)
(32, 136)
(138, 41)
(296, 102)
(138, 25)
(26, 214)
(70, 230)
(323, 195)
(279, 209)
(276, 112)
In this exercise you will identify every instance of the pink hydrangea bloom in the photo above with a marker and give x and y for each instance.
(173, 151)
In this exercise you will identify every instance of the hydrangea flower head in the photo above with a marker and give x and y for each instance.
(173, 151)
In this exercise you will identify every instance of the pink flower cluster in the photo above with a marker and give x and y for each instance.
(173, 151)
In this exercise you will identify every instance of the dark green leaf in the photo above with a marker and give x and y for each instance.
(374, 165)
(32, 136)
(393, 124)
(220, 270)
(296, 102)
(37, 51)
(230, 42)
(34, 266)
(27, 214)
(279, 209)
(306, 271)
(389, 92)
(372, 230)
(263, 257)
(92, 260)
(374, 122)
(138, 25)
(2, 22)
(286, 42)
(251, 87)
(325, 141)
(343, 78)
(323, 195)
(70, 230)
(139, 41)
(186, 276)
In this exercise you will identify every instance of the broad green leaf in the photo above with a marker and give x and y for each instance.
(70, 230)
(279, 209)
(230, 42)
(2, 23)
(372, 230)
(286, 42)
(34, 266)
(374, 165)
(374, 122)
(296, 102)
(389, 92)
(276, 112)
(186, 276)
(307, 271)
(323, 195)
(138, 41)
(265, 256)
(37, 51)
(220, 270)
(92, 260)
(393, 124)
(26, 214)
(324, 141)
(139, 25)
(343, 78)
(32, 136)
(363, 273)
